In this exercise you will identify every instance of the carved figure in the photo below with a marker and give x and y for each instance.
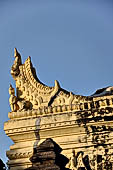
(17, 62)
(72, 161)
(12, 99)
(23, 105)
(71, 97)
(80, 163)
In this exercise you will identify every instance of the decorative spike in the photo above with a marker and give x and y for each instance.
(10, 86)
(54, 92)
(57, 85)
(15, 52)
(29, 58)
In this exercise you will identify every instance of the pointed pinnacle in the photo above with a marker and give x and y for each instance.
(10, 85)
(15, 52)
(29, 58)
(57, 85)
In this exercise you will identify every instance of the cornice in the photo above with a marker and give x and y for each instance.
(18, 155)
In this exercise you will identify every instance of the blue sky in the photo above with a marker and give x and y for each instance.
(68, 40)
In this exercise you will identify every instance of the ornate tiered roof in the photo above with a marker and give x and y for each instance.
(34, 93)
(37, 98)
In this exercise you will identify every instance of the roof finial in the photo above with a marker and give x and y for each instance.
(57, 85)
(15, 52)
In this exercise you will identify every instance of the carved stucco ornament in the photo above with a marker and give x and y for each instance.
(33, 94)
(12, 99)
